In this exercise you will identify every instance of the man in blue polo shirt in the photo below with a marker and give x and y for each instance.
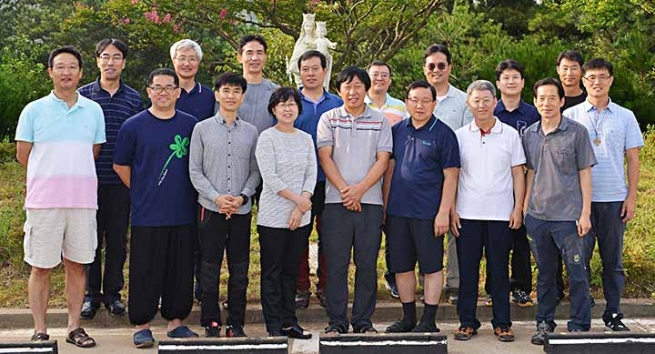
(119, 102)
(195, 99)
(315, 101)
(419, 188)
(616, 137)
(514, 112)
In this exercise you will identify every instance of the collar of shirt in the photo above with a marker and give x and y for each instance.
(563, 124)
(497, 128)
(343, 113)
(501, 107)
(79, 103)
(429, 125)
(221, 120)
(97, 87)
(325, 96)
(196, 88)
(588, 107)
(370, 102)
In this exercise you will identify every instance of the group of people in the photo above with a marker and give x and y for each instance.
(185, 173)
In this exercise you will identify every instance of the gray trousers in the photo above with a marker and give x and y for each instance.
(343, 230)
(452, 267)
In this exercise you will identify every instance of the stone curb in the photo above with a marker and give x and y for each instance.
(385, 312)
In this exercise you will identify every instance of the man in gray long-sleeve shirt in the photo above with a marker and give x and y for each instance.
(223, 170)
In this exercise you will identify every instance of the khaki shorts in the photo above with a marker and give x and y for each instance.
(53, 233)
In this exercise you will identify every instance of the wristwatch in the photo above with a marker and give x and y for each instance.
(245, 198)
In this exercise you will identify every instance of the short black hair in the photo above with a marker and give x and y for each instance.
(348, 74)
(163, 72)
(438, 48)
(379, 63)
(572, 55)
(509, 64)
(249, 38)
(103, 44)
(230, 79)
(312, 54)
(598, 64)
(421, 84)
(283, 94)
(546, 82)
(65, 49)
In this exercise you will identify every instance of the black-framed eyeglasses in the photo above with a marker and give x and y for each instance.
(441, 66)
(160, 89)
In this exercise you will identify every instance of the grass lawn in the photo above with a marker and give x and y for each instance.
(638, 259)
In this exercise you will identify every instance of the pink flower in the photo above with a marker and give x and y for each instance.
(134, 2)
(167, 18)
(223, 13)
(176, 28)
(127, 20)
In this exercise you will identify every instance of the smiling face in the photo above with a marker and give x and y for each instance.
(65, 72)
(432, 69)
(111, 63)
(569, 72)
(548, 102)
(229, 98)
(186, 63)
(482, 104)
(311, 73)
(286, 112)
(420, 104)
(353, 93)
(510, 83)
(380, 78)
(163, 93)
(598, 82)
(252, 58)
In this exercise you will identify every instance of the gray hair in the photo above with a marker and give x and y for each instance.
(481, 85)
(186, 44)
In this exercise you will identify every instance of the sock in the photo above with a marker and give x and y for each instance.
(409, 312)
(429, 313)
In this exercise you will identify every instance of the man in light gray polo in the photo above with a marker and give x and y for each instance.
(452, 110)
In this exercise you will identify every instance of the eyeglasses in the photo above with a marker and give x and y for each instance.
(593, 78)
(441, 66)
(190, 60)
(287, 105)
(415, 102)
(106, 58)
(160, 89)
(485, 102)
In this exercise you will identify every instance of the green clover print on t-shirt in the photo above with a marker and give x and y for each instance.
(180, 149)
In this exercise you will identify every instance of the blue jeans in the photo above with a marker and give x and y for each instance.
(496, 239)
(608, 228)
(548, 239)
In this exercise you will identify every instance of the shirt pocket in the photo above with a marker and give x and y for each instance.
(564, 158)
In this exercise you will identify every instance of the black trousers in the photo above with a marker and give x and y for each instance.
(281, 250)
(112, 217)
(217, 235)
(521, 278)
(161, 266)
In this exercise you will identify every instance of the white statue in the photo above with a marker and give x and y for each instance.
(323, 45)
(303, 44)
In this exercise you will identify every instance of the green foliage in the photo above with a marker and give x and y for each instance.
(21, 81)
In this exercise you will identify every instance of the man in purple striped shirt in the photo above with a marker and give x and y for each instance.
(118, 102)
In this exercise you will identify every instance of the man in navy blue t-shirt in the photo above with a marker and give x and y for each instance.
(152, 159)
(514, 112)
(419, 189)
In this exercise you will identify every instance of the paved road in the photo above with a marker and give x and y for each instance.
(118, 340)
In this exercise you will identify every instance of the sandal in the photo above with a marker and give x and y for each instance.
(367, 329)
(464, 333)
(36, 337)
(333, 330)
(79, 338)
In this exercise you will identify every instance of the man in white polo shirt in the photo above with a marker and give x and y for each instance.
(58, 139)
(488, 206)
